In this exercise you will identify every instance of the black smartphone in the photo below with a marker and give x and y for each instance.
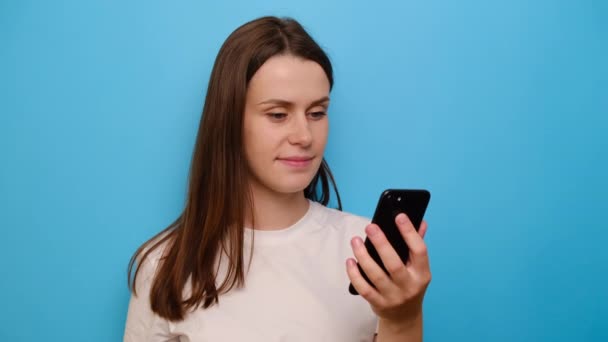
(392, 202)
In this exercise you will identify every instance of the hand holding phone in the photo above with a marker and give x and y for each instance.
(392, 202)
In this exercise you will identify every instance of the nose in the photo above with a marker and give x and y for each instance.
(300, 132)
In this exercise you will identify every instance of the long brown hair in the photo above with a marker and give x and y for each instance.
(218, 193)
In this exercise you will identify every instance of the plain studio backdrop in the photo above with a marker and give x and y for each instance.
(499, 108)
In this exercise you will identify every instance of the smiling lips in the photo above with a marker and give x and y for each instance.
(296, 161)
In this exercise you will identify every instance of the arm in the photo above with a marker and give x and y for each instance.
(405, 332)
(142, 324)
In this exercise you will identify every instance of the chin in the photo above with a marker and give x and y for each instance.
(293, 185)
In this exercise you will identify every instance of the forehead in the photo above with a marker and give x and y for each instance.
(289, 78)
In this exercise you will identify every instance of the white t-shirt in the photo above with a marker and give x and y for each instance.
(295, 290)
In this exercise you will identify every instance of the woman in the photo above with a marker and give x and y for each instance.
(256, 255)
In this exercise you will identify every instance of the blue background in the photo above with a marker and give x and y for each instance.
(499, 108)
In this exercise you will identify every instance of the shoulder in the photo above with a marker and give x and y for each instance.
(142, 323)
(149, 260)
(339, 219)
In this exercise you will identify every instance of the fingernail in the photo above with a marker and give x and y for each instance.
(357, 242)
(371, 230)
(401, 218)
(350, 262)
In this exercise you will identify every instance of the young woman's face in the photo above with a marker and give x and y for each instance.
(285, 123)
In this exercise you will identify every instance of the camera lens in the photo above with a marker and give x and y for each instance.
(398, 198)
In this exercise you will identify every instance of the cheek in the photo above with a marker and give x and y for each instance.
(260, 141)
(320, 132)
(250, 139)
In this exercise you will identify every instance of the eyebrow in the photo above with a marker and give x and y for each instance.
(287, 103)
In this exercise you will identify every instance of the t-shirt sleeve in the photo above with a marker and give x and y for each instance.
(142, 323)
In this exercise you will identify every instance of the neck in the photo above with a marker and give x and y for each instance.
(274, 211)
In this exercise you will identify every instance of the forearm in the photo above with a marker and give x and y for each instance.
(405, 332)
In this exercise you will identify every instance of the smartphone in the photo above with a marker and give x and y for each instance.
(392, 202)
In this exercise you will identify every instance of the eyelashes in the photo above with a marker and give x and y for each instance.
(282, 116)
(276, 116)
(318, 115)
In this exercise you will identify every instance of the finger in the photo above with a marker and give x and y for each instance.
(417, 247)
(391, 260)
(374, 272)
(361, 285)
(422, 230)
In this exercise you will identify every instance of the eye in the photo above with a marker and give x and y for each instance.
(277, 116)
(317, 115)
